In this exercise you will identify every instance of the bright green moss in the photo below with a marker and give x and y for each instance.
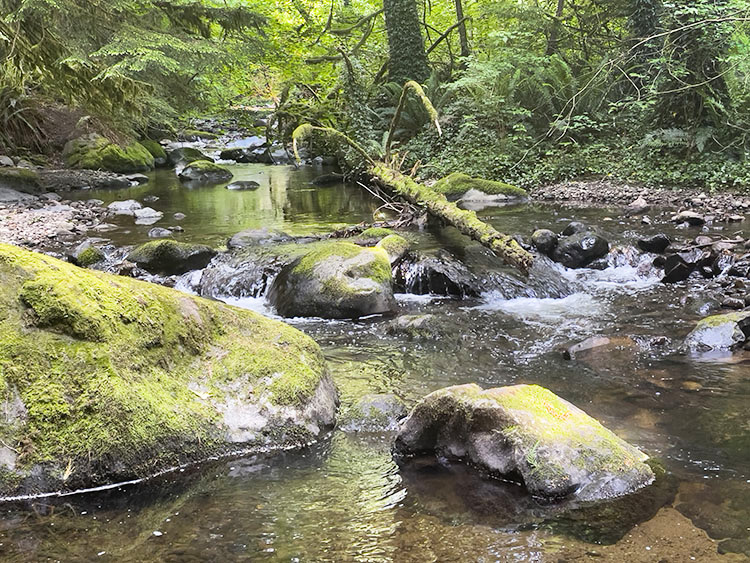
(395, 247)
(376, 233)
(155, 148)
(457, 184)
(98, 153)
(104, 366)
(89, 256)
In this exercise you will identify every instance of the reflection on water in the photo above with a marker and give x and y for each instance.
(345, 499)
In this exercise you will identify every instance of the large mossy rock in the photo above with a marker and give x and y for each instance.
(557, 449)
(105, 378)
(170, 257)
(156, 150)
(337, 280)
(20, 180)
(457, 185)
(205, 172)
(95, 152)
(719, 332)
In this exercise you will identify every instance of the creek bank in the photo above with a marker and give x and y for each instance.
(556, 448)
(105, 378)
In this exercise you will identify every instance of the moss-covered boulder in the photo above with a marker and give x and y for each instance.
(556, 448)
(95, 152)
(157, 151)
(182, 156)
(395, 247)
(457, 185)
(20, 179)
(105, 378)
(205, 172)
(337, 280)
(719, 333)
(170, 257)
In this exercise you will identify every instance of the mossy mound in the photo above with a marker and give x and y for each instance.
(376, 233)
(336, 280)
(98, 153)
(458, 184)
(719, 332)
(156, 150)
(557, 449)
(395, 246)
(205, 172)
(20, 179)
(104, 378)
(170, 257)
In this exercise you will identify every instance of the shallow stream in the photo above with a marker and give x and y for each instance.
(344, 499)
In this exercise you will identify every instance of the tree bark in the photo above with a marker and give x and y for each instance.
(407, 58)
(463, 39)
(465, 221)
(554, 32)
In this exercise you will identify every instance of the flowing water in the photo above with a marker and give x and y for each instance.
(344, 499)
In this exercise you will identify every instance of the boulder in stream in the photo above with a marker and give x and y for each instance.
(579, 249)
(656, 244)
(719, 332)
(438, 274)
(105, 378)
(205, 172)
(182, 156)
(457, 185)
(556, 448)
(169, 257)
(95, 152)
(336, 280)
(544, 240)
(243, 185)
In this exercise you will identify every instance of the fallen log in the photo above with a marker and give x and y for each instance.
(465, 221)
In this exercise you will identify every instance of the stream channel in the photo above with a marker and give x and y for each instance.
(344, 499)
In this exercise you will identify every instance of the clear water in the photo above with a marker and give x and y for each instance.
(344, 499)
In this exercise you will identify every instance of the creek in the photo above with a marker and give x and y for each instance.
(344, 499)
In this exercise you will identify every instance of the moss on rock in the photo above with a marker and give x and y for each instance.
(99, 153)
(20, 179)
(376, 233)
(557, 448)
(395, 247)
(335, 280)
(118, 378)
(156, 150)
(205, 171)
(457, 184)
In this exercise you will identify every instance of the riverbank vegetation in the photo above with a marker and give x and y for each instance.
(645, 91)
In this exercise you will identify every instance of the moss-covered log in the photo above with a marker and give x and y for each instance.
(466, 222)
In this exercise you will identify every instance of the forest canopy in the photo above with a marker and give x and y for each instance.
(527, 92)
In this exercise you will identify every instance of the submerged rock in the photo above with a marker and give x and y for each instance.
(719, 332)
(205, 172)
(256, 237)
(579, 249)
(243, 185)
(98, 153)
(328, 179)
(170, 257)
(337, 280)
(373, 413)
(556, 448)
(106, 378)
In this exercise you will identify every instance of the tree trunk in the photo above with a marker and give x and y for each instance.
(465, 221)
(407, 58)
(554, 32)
(462, 37)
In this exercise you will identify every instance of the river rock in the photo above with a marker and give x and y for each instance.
(182, 156)
(157, 151)
(328, 179)
(395, 246)
(690, 217)
(457, 184)
(170, 257)
(6, 161)
(20, 180)
(86, 254)
(438, 274)
(243, 185)
(544, 240)
(676, 269)
(255, 237)
(139, 179)
(107, 379)
(126, 207)
(147, 216)
(579, 249)
(337, 280)
(574, 227)
(637, 207)
(92, 151)
(373, 413)
(556, 448)
(719, 332)
(656, 244)
(158, 232)
(205, 172)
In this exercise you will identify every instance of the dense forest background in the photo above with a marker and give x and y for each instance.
(527, 91)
